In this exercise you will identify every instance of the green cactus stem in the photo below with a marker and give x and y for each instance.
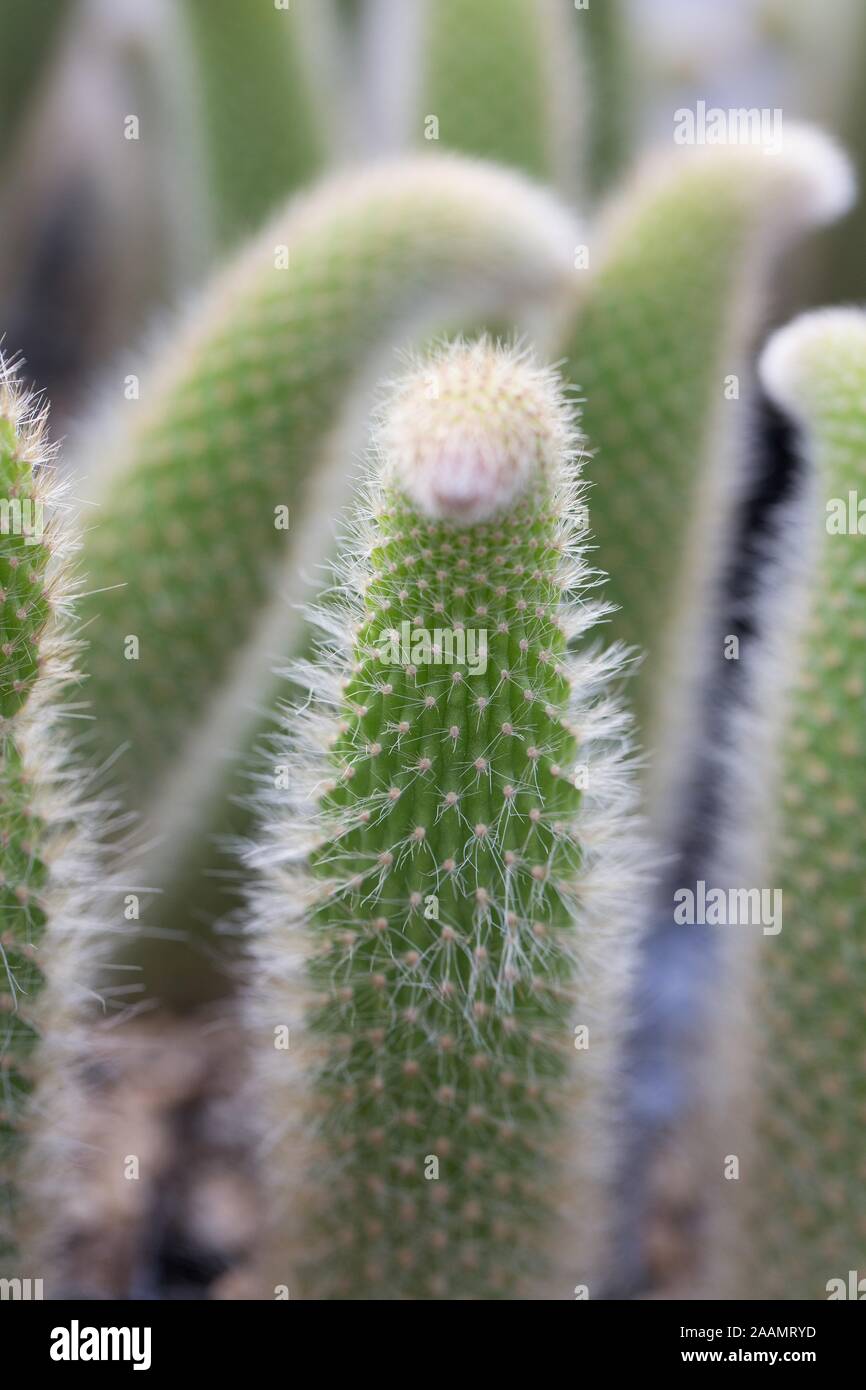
(447, 848)
(263, 112)
(35, 816)
(503, 80)
(801, 1198)
(612, 77)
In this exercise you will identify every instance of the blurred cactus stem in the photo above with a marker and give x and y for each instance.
(263, 102)
(798, 1122)
(612, 76)
(441, 934)
(503, 80)
(676, 275)
(220, 484)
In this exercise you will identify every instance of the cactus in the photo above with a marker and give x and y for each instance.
(347, 11)
(263, 113)
(36, 808)
(800, 1199)
(665, 319)
(502, 80)
(189, 566)
(529, 84)
(611, 78)
(453, 887)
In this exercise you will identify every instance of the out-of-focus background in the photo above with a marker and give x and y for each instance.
(140, 139)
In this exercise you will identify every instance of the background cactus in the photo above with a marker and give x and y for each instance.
(799, 1201)
(206, 501)
(266, 121)
(451, 861)
(675, 262)
(612, 74)
(503, 80)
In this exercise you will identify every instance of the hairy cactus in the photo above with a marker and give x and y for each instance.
(442, 918)
(800, 1197)
(206, 502)
(502, 80)
(37, 810)
(658, 346)
(264, 118)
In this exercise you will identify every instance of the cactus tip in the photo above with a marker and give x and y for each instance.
(828, 179)
(466, 433)
(790, 355)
